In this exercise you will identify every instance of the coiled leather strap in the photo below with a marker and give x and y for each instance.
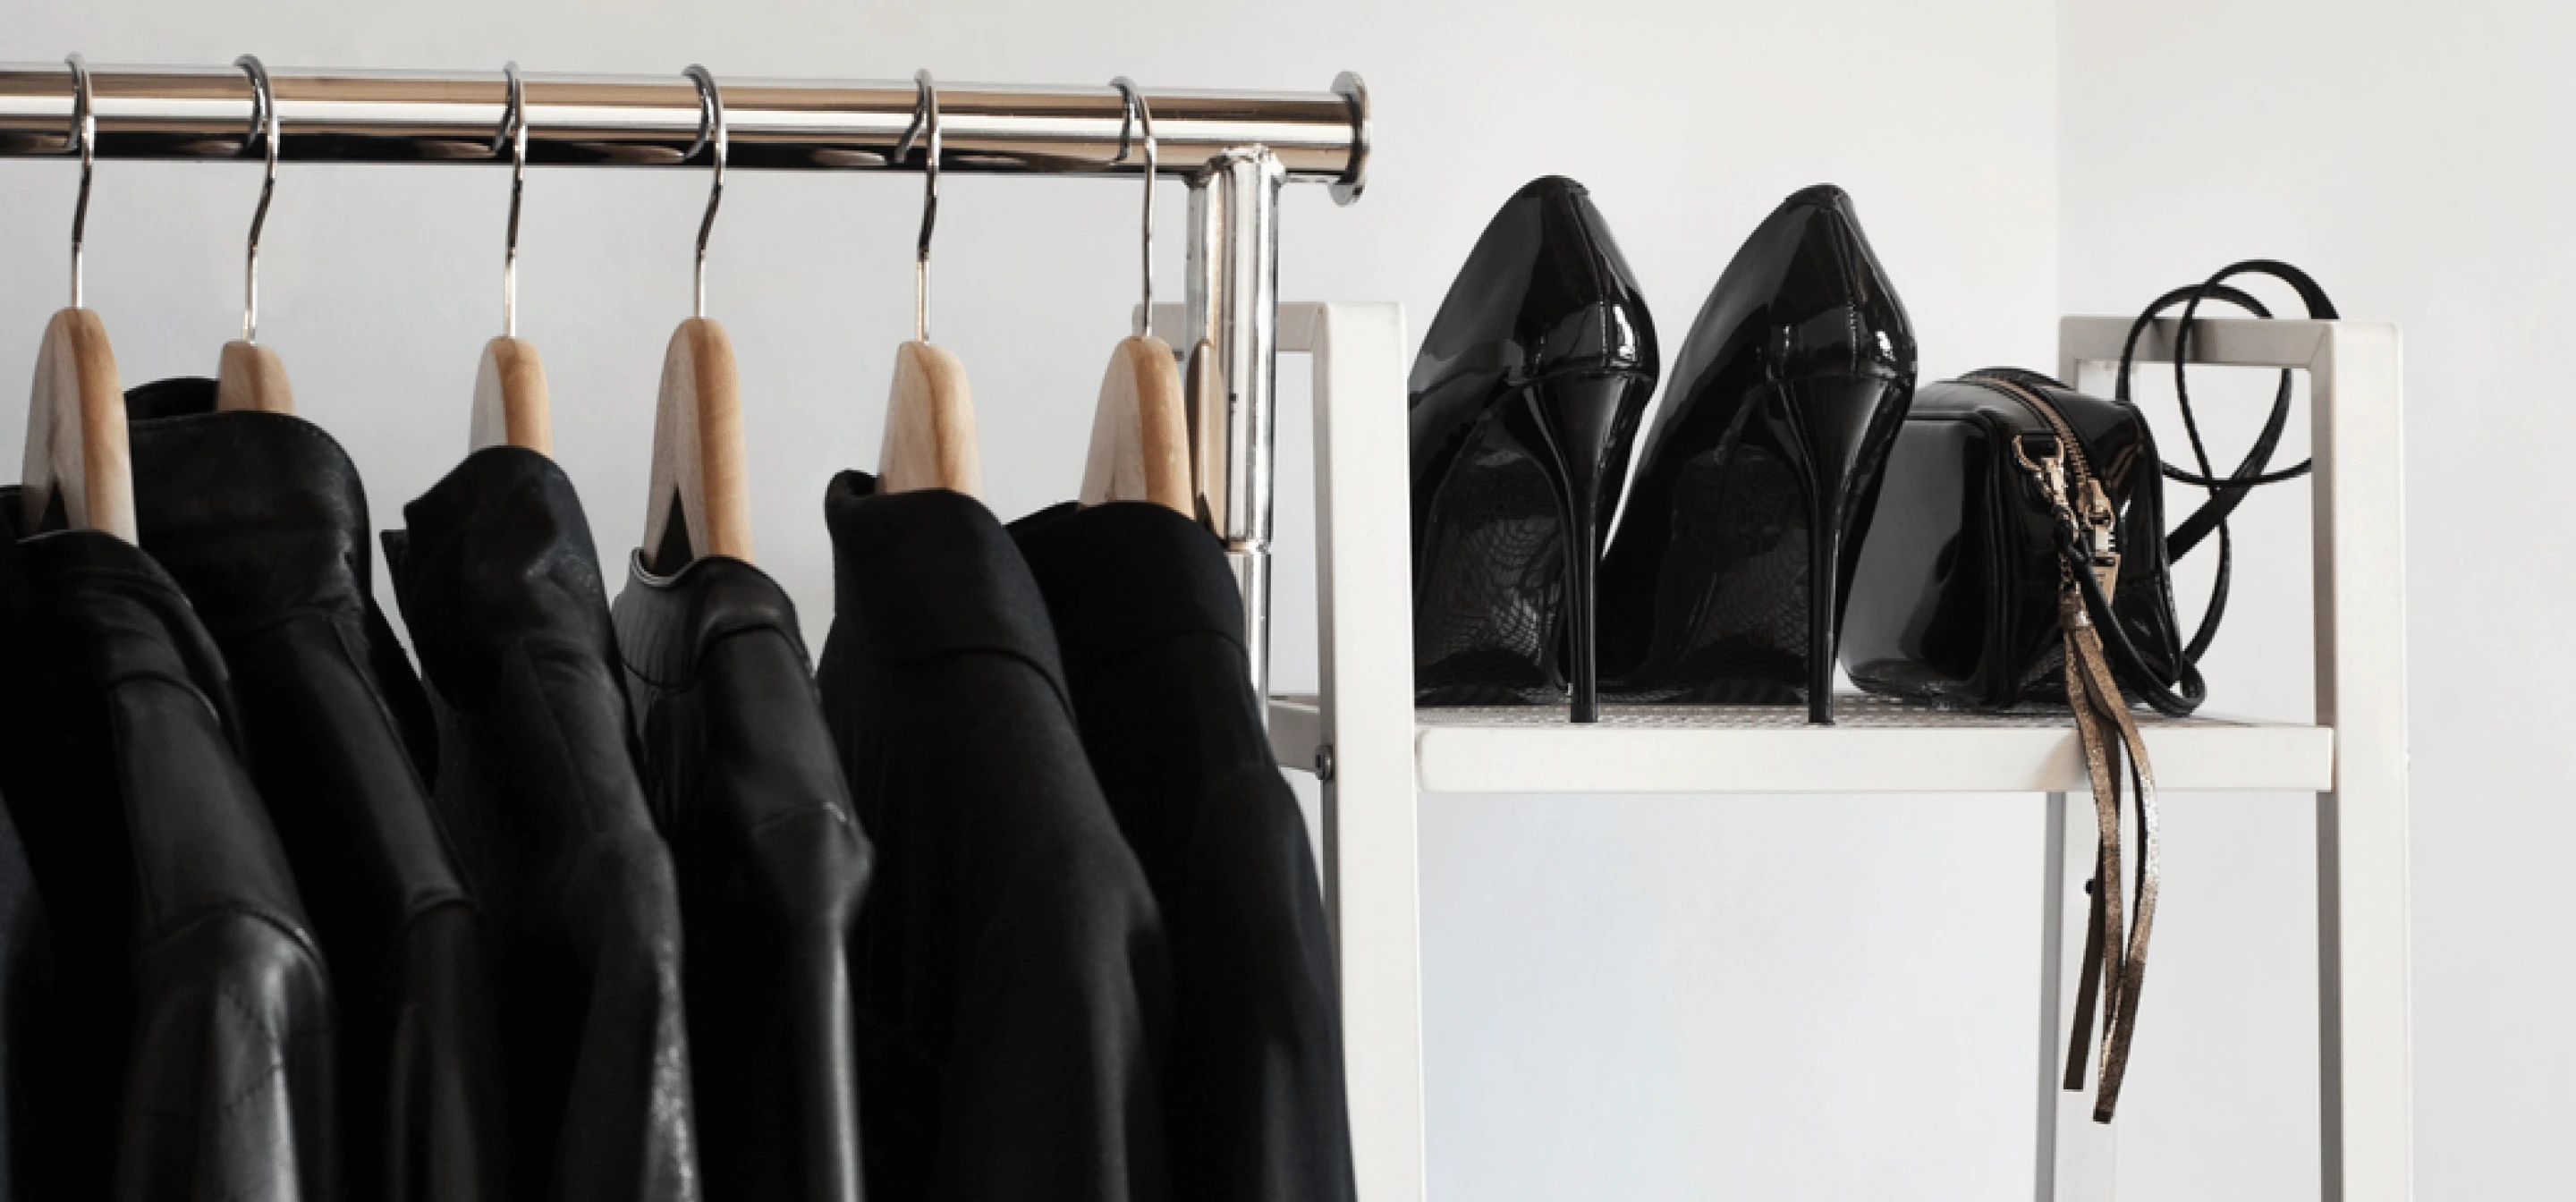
(2225, 492)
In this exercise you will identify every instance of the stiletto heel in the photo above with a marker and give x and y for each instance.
(1835, 421)
(1526, 397)
(1733, 562)
(1584, 421)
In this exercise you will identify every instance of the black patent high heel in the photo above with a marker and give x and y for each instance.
(1839, 424)
(1733, 563)
(1585, 422)
(1525, 401)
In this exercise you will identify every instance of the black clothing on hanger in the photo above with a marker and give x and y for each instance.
(1014, 984)
(261, 519)
(1150, 623)
(188, 1043)
(26, 983)
(743, 781)
(537, 785)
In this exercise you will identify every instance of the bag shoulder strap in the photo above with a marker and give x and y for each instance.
(2225, 492)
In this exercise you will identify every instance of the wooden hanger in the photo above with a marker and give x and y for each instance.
(510, 380)
(1140, 428)
(699, 499)
(1140, 433)
(251, 376)
(248, 375)
(76, 444)
(76, 428)
(510, 398)
(930, 414)
(930, 425)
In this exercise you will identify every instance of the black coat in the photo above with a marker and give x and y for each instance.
(188, 1042)
(1151, 629)
(537, 785)
(261, 519)
(746, 788)
(1013, 983)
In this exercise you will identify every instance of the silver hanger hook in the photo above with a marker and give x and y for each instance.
(264, 126)
(84, 142)
(711, 121)
(1142, 115)
(514, 130)
(925, 127)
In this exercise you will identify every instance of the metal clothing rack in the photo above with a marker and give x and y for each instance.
(1234, 149)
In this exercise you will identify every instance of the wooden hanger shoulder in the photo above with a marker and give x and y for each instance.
(930, 425)
(76, 443)
(700, 477)
(251, 376)
(510, 398)
(1140, 433)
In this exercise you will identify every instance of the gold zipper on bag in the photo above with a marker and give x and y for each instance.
(2066, 478)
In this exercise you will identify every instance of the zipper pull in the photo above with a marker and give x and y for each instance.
(2101, 535)
(2049, 465)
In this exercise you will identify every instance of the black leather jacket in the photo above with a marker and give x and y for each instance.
(537, 785)
(1151, 628)
(743, 782)
(188, 1033)
(262, 520)
(1014, 988)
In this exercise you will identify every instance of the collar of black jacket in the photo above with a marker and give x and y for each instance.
(257, 514)
(931, 573)
(497, 554)
(132, 618)
(1127, 575)
(664, 623)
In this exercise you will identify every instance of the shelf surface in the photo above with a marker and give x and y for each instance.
(1877, 746)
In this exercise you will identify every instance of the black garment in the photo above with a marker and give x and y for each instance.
(1151, 627)
(742, 779)
(1014, 984)
(537, 785)
(26, 982)
(262, 521)
(188, 1045)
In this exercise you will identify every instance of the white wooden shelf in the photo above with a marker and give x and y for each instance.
(1876, 746)
(1376, 754)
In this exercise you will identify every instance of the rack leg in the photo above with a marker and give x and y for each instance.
(2366, 1125)
(1364, 572)
(2077, 1156)
(1232, 332)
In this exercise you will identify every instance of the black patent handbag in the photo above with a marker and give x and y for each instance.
(1956, 598)
(2019, 554)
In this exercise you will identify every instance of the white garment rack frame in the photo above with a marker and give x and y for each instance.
(1375, 753)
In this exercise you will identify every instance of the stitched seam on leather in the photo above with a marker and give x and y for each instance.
(285, 925)
(121, 729)
(578, 658)
(411, 920)
(229, 996)
(273, 619)
(821, 807)
(253, 1084)
(401, 751)
(695, 666)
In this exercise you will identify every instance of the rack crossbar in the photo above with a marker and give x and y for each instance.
(337, 115)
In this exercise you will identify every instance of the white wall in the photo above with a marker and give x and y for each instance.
(2414, 157)
(1639, 999)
